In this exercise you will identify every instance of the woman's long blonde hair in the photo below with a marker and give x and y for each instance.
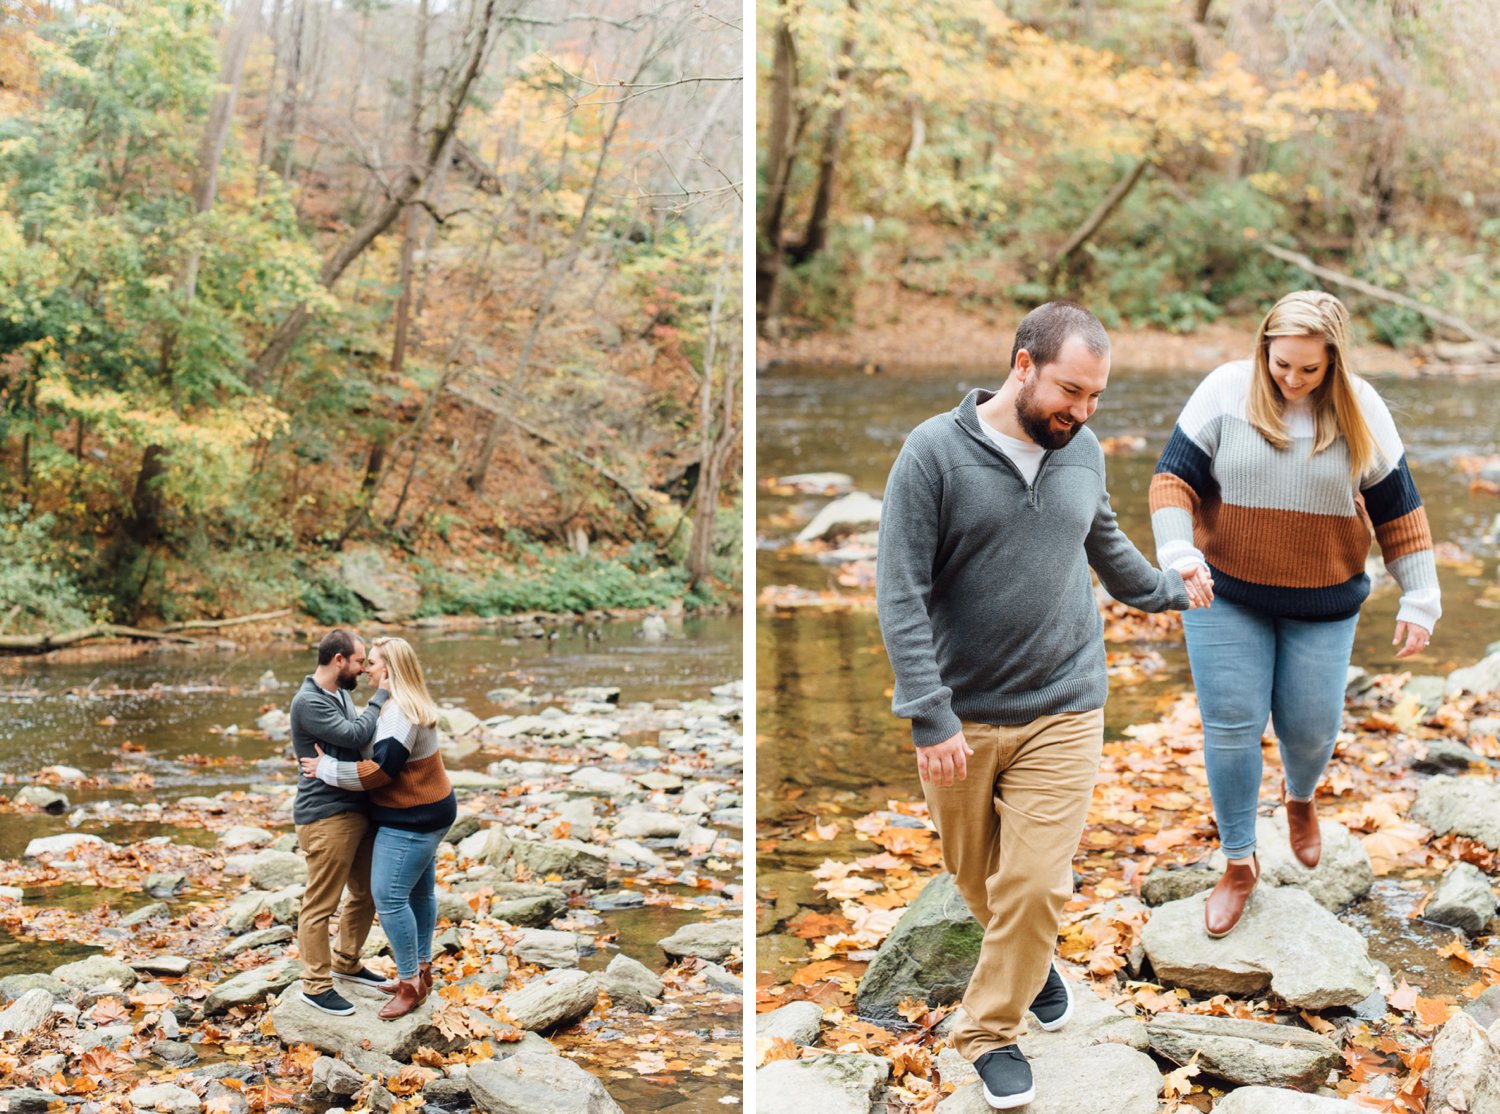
(404, 679)
(1312, 313)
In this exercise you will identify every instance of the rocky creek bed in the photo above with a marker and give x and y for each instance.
(1313, 1004)
(588, 936)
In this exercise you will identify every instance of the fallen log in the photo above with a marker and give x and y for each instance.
(43, 643)
(216, 624)
(1380, 293)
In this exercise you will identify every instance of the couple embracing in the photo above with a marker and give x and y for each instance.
(373, 804)
(1279, 470)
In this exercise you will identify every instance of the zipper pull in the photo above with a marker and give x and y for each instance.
(1031, 496)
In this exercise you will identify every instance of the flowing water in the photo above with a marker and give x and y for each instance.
(178, 705)
(826, 740)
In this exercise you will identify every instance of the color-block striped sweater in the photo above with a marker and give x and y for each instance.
(1283, 530)
(404, 777)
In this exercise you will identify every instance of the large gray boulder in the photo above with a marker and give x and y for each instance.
(1343, 873)
(837, 1083)
(1245, 1051)
(1469, 806)
(276, 870)
(567, 858)
(252, 985)
(631, 984)
(929, 955)
(96, 971)
(1482, 678)
(60, 844)
(296, 1022)
(1072, 1079)
(547, 948)
(1463, 899)
(1464, 1076)
(522, 904)
(552, 1001)
(1285, 942)
(1275, 1100)
(710, 940)
(165, 1098)
(529, 1084)
(392, 594)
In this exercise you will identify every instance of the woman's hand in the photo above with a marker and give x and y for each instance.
(310, 765)
(1200, 586)
(1415, 637)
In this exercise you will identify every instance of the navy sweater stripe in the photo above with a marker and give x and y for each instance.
(1184, 459)
(1336, 601)
(1392, 497)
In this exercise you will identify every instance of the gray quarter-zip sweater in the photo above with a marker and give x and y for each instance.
(982, 580)
(327, 719)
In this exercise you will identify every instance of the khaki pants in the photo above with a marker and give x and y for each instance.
(1009, 831)
(338, 854)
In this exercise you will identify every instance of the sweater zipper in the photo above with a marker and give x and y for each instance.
(1031, 496)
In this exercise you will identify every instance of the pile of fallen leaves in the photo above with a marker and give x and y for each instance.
(1151, 808)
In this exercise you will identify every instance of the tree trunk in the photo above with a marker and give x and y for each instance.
(467, 69)
(1101, 213)
(815, 238)
(268, 129)
(410, 223)
(712, 437)
(293, 84)
(785, 131)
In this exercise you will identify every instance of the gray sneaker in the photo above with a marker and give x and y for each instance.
(330, 1001)
(1053, 1006)
(1006, 1078)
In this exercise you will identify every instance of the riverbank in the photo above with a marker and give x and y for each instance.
(589, 926)
(302, 630)
(894, 328)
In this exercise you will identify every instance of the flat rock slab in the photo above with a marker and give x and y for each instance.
(1074, 1080)
(1285, 942)
(797, 1022)
(59, 844)
(296, 1022)
(836, 1083)
(1276, 1100)
(1343, 873)
(552, 1001)
(253, 985)
(1245, 1051)
(928, 955)
(711, 940)
(530, 1084)
(96, 969)
(1469, 806)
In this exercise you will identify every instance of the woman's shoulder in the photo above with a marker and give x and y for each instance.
(1232, 378)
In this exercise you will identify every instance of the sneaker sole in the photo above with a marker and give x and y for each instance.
(325, 1009)
(1008, 1102)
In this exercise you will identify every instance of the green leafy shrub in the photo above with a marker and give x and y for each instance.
(331, 603)
(554, 582)
(38, 590)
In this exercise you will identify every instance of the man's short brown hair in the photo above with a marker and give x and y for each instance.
(1044, 331)
(335, 642)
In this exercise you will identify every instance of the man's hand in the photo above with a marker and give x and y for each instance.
(1416, 639)
(310, 765)
(1200, 586)
(943, 763)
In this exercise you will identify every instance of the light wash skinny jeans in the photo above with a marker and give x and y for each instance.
(1248, 665)
(403, 881)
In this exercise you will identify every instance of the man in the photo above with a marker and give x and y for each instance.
(332, 824)
(993, 515)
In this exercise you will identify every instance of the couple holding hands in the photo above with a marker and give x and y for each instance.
(1278, 473)
(373, 804)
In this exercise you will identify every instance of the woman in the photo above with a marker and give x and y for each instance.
(412, 807)
(1277, 470)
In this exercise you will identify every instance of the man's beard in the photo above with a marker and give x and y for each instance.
(1038, 425)
(348, 681)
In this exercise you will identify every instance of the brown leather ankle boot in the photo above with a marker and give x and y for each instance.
(408, 997)
(1228, 899)
(424, 976)
(1302, 826)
